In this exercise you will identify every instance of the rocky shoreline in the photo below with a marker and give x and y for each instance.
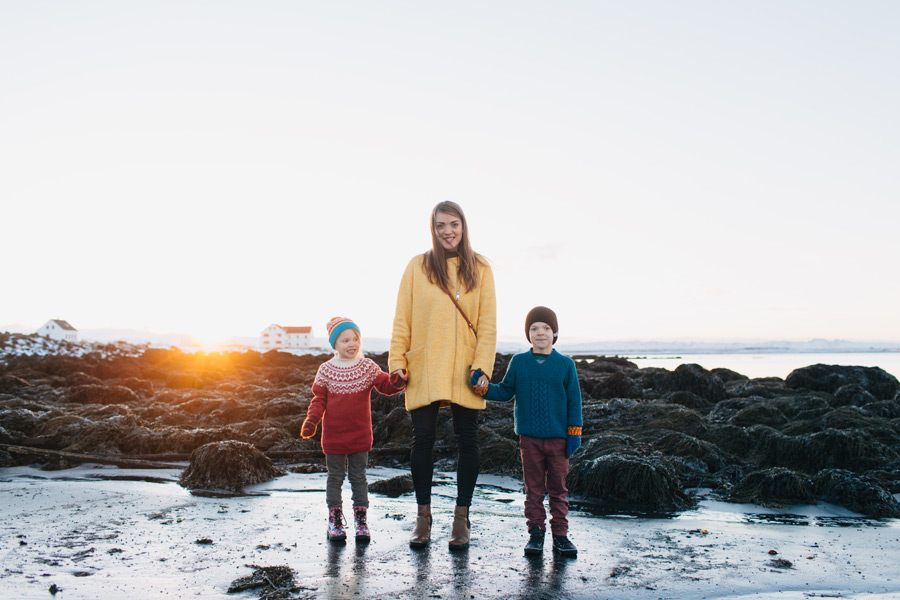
(824, 433)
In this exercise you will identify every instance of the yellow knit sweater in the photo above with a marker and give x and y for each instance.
(432, 340)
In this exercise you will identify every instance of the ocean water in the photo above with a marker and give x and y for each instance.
(771, 364)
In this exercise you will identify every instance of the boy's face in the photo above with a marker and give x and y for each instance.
(347, 344)
(541, 336)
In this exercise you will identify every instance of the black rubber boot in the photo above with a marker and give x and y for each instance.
(562, 545)
(535, 544)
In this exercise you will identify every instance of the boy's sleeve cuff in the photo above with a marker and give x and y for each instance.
(573, 431)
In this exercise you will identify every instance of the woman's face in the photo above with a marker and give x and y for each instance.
(448, 229)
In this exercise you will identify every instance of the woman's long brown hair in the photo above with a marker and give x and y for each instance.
(435, 264)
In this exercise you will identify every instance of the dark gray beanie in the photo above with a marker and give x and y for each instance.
(541, 314)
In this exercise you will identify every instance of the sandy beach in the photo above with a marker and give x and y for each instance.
(105, 532)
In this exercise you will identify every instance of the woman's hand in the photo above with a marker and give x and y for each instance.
(481, 386)
(400, 378)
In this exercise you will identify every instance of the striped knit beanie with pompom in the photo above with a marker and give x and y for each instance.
(336, 325)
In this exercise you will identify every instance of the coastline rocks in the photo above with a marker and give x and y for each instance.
(852, 394)
(773, 487)
(228, 466)
(498, 454)
(660, 430)
(696, 379)
(393, 486)
(616, 385)
(633, 483)
(861, 494)
(829, 378)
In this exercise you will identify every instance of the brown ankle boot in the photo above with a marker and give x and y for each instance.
(421, 534)
(459, 533)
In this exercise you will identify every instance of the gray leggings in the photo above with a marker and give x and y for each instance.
(354, 465)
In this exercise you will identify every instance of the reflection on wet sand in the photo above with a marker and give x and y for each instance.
(352, 583)
(539, 584)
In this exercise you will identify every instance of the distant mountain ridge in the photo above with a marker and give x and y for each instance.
(603, 347)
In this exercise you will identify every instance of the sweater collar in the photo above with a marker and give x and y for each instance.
(345, 362)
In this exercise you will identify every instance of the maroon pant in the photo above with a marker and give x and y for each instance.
(545, 466)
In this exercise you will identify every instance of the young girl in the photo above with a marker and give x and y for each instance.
(342, 402)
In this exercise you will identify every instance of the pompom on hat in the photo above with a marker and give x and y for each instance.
(541, 314)
(336, 325)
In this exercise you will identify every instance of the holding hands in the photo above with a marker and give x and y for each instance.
(399, 378)
(479, 382)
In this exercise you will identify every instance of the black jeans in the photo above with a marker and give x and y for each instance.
(465, 426)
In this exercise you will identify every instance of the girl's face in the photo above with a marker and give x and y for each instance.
(448, 230)
(347, 344)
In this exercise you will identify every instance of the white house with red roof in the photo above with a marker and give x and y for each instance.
(275, 336)
(57, 329)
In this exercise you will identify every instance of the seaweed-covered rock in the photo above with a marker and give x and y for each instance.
(775, 486)
(498, 454)
(852, 394)
(6, 460)
(686, 446)
(731, 439)
(272, 583)
(393, 430)
(728, 376)
(886, 409)
(616, 385)
(696, 379)
(142, 387)
(830, 378)
(12, 384)
(802, 406)
(671, 417)
(82, 378)
(688, 400)
(607, 443)
(101, 394)
(764, 387)
(9, 438)
(283, 407)
(21, 420)
(858, 493)
(759, 413)
(229, 466)
(393, 486)
(633, 483)
(810, 453)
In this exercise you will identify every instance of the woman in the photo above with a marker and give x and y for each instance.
(439, 346)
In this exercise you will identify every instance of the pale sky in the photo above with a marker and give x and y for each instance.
(697, 170)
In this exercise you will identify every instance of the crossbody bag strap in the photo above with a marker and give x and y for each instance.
(462, 312)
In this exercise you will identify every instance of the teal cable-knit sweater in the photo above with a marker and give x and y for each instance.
(546, 393)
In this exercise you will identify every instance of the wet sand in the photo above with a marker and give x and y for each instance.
(93, 534)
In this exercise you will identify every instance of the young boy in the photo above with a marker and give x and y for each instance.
(544, 386)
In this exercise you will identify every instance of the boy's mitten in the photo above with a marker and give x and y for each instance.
(308, 429)
(573, 440)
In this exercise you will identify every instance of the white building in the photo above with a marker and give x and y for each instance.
(57, 329)
(276, 336)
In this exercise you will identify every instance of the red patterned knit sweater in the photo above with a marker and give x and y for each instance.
(342, 401)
